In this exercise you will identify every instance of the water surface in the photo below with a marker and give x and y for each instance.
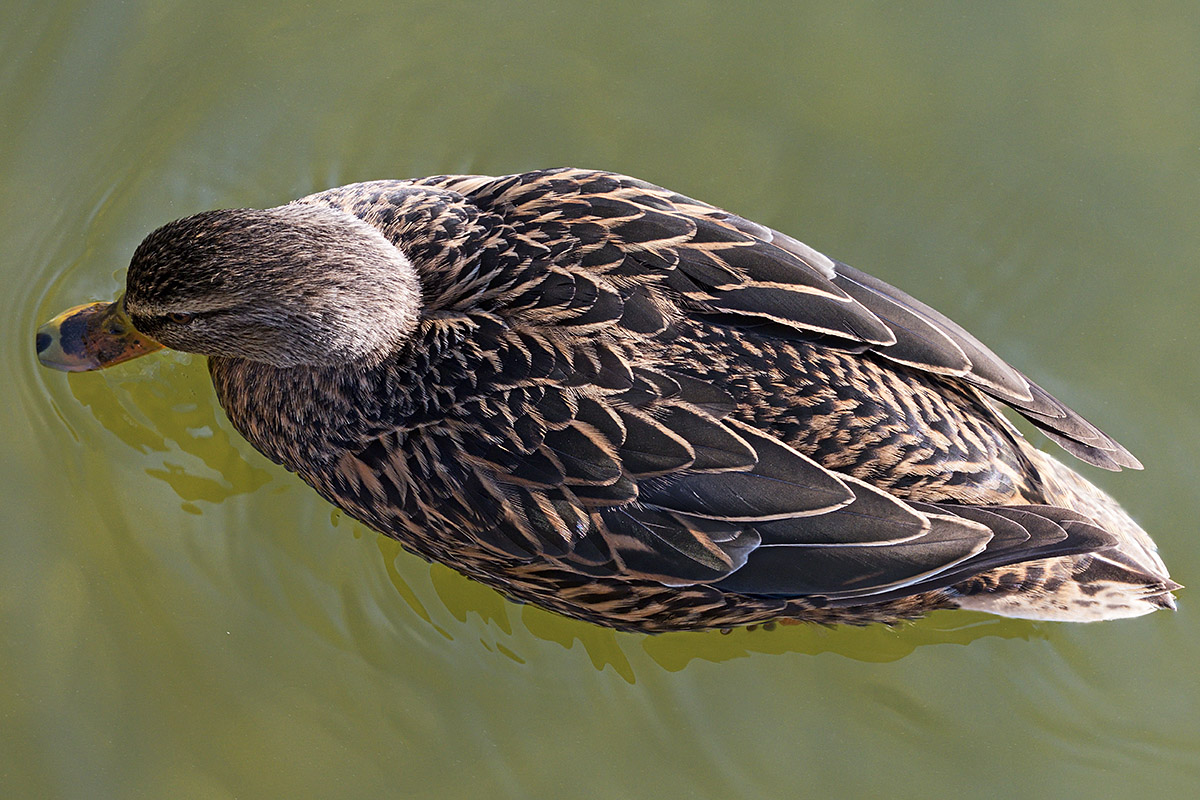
(183, 619)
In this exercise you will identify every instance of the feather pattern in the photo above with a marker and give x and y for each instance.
(638, 409)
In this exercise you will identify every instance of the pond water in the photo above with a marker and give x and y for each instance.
(183, 619)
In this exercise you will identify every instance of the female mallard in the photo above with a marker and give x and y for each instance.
(624, 405)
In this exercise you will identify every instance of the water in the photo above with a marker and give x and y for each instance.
(182, 619)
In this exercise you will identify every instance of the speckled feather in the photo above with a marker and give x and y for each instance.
(637, 409)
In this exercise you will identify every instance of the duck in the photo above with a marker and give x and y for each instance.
(609, 400)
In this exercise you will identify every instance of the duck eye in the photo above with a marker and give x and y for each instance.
(180, 317)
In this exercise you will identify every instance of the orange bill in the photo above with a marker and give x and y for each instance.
(92, 336)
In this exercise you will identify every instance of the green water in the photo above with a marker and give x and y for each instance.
(179, 618)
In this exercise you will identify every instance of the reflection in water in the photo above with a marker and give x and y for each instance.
(674, 651)
(171, 402)
(872, 643)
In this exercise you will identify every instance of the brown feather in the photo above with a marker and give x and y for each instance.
(637, 409)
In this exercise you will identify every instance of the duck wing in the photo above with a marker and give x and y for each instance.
(584, 455)
(684, 255)
(658, 483)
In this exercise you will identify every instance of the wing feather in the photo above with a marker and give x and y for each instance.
(611, 464)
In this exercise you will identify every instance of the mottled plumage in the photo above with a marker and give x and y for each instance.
(633, 408)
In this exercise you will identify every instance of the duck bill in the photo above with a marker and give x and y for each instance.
(92, 336)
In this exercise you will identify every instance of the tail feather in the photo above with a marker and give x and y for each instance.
(1127, 579)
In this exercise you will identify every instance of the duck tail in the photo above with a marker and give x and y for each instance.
(1128, 579)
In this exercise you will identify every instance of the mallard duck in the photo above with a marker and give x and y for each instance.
(629, 407)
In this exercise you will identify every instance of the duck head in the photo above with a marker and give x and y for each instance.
(298, 285)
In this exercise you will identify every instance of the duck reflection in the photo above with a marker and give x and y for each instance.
(673, 652)
(168, 408)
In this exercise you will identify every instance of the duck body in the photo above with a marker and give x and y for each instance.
(629, 407)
